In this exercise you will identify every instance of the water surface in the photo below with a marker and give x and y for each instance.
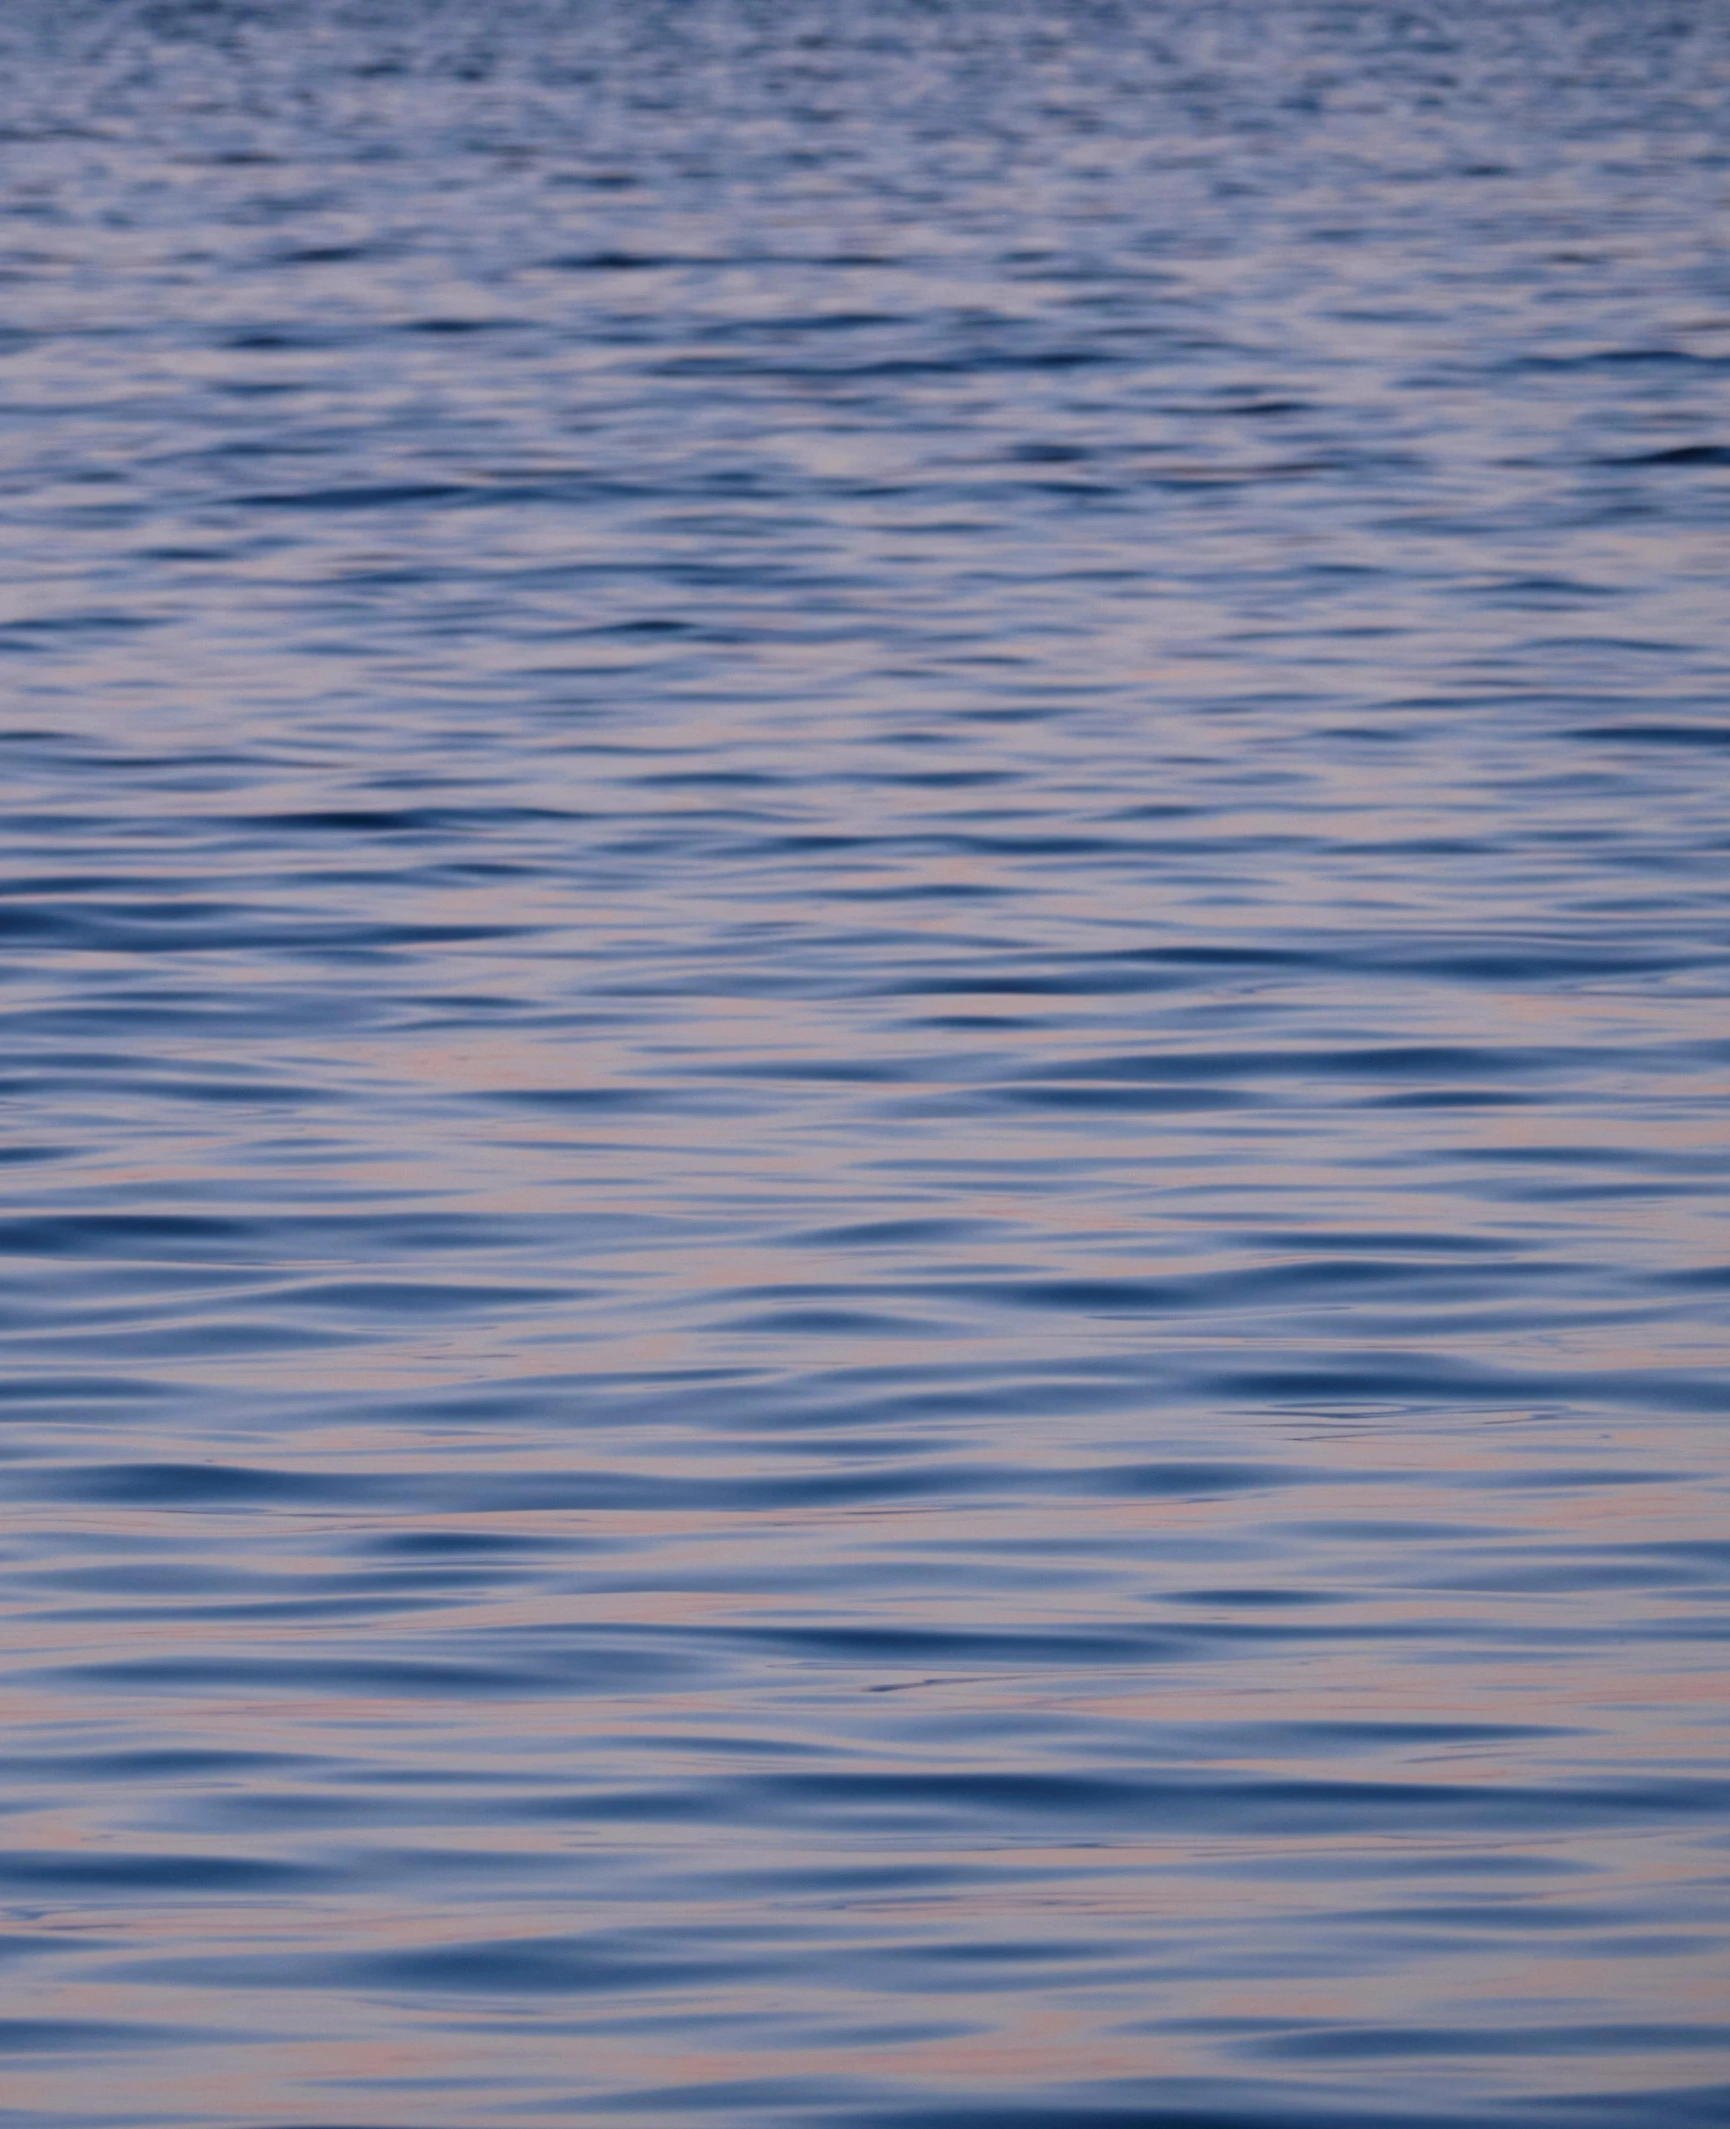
(863, 898)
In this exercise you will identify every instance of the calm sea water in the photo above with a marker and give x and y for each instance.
(863, 889)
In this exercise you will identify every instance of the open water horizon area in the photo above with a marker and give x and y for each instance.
(863, 947)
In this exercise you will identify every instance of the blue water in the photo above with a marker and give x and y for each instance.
(863, 898)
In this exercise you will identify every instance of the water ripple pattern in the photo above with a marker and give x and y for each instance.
(863, 938)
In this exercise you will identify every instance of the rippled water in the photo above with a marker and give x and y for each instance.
(864, 892)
